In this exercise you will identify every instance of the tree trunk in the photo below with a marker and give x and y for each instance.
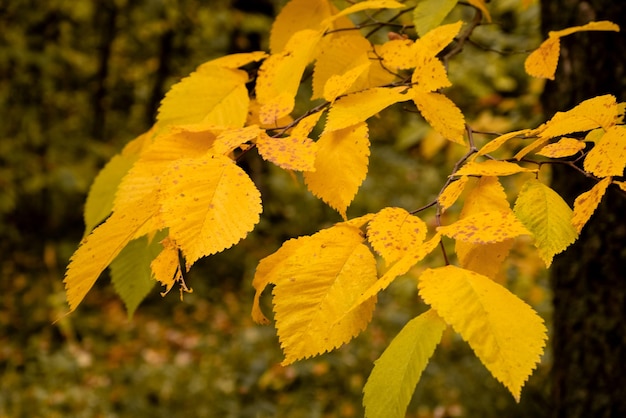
(588, 283)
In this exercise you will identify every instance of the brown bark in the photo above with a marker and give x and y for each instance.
(588, 282)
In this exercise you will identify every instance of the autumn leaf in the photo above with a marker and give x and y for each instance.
(99, 249)
(586, 204)
(279, 76)
(364, 5)
(166, 266)
(506, 334)
(290, 153)
(393, 231)
(487, 195)
(496, 143)
(485, 228)
(441, 113)
(597, 112)
(547, 216)
(491, 168)
(235, 60)
(564, 147)
(340, 166)
(543, 61)
(340, 84)
(481, 5)
(341, 59)
(451, 193)
(317, 278)
(430, 75)
(608, 156)
(298, 15)
(358, 107)
(208, 204)
(212, 94)
(392, 382)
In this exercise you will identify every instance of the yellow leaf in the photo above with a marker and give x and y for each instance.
(480, 5)
(597, 112)
(608, 156)
(400, 54)
(542, 62)
(317, 279)
(254, 117)
(393, 231)
(166, 266)
(585, 204)
(506, 334)
(340, 84)
(547, 216)
(451, 193)
(430, 75)
(565, 147)
(364, 5)
(212, 94)
(358, 107)
(488, 195)
(99, 249)
(437, 39)
(141, 184)
(442, 114)
(621, 184)
(410, 258)
(306, 125)
(291, 153)
(235, 60)
(342, 55)
(491, 168)
(603, 25)
(298, 15)
(279, 75)
(496, 143)
(227, 141)
(208, 204)
(340, 166)
(537, 143)
(429, 14)
(485, 227)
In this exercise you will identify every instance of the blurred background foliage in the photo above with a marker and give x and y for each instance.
(80, 79)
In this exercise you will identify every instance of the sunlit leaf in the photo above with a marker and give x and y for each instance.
(166, 266)
(279, 77)
(344, 54)
(608, 156)
(208, 204)
(358, 107)
(298, 15)
(392, 382)
(586, 204)
(99, 249)
(485, 228)
(547, 216)
(491, 168)
(212, 94)
(600, 111)
(316, 280)
(340, 84)
(230, 139)
(340, 166)
(290, 153)
(365, 5)
(430, 75)
(542, 62)
(451, 193)
(506, 334)
(603, 25)
(496, 143)
(236, 60)
(487, 195)
(393, 231)
(442, 114)
(565, 147)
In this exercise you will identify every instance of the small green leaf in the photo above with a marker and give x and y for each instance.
(430, 13)
(130, 271)
(390, 386)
